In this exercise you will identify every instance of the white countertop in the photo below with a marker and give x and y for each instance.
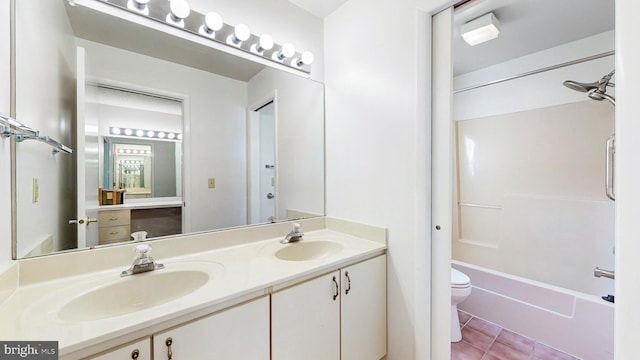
(148, 203)
(241, 272)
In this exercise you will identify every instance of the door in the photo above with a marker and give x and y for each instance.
(140, 350)
(241, 332)
(364, 310)
(305, 320)
(267, 162)
(261, 166)
(86, 160)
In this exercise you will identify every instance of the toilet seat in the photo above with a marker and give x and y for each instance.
(459, 279)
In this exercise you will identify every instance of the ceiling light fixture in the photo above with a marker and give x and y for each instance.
(209, 25)
(154, 134)
(481, 29)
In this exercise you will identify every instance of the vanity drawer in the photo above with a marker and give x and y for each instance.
(114, 218)
(113, 234)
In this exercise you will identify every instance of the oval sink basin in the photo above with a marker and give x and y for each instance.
(132, 293)
(308, 250)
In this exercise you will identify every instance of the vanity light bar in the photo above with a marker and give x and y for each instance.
(147, 134)
(210, 26)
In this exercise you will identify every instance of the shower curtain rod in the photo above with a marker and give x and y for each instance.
(537, 71)
(10, 126)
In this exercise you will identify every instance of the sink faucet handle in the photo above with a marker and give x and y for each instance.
(296, 227)
(142, 251)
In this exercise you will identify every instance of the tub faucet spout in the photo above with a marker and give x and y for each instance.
(597, 272)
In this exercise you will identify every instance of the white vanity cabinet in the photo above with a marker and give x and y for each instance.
(140, 350)
(305, 320)
(241, 332)
(340, 315)
(363, 325)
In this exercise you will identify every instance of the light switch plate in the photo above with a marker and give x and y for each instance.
(212, 183)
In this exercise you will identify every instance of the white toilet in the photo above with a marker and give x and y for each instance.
(460, 290)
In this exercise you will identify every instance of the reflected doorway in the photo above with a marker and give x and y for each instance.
(262, 166)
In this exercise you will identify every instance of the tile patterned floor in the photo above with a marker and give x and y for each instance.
(482, 340)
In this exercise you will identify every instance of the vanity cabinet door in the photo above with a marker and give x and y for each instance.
(364, 310)
(241, 332)
(305, 320)
(140, 350)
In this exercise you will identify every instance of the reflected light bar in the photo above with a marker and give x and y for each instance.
(153, 134)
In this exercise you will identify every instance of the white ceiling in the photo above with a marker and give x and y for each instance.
(319, 8)
(528, 26)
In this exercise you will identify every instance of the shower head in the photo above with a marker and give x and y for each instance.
(581, 87)
(597, 90)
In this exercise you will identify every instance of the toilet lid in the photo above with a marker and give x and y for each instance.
(459, 278)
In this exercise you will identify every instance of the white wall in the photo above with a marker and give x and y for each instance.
(300, 145)
(627, 317)
(377, 128)
(45, 101)
(216, 123)
(5, 159)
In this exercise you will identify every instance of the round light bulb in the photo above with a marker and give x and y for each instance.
(179, 9)
(265, 42)
(139, 6)
(128, 132)
(151, 133)
(161, 134)
(306, 58)
(287, 51)
(116, 131)
(212, 22)
(171, 136)
(179, 136)
(240, 33)
(139, 133)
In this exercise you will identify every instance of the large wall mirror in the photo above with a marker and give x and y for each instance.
(170, 136)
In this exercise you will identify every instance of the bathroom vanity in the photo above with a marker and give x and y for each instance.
(157, 217)
(235, 294)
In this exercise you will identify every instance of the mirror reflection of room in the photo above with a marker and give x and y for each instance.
(121, 78)
(140, 143)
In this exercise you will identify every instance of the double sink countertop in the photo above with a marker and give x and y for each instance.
(95, 309)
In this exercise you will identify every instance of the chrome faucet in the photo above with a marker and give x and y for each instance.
(142, 262)
(294, 236)
(597, 272)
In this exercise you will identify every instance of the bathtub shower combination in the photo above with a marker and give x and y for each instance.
(534, 217)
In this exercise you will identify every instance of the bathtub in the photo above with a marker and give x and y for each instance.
(573, 322)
